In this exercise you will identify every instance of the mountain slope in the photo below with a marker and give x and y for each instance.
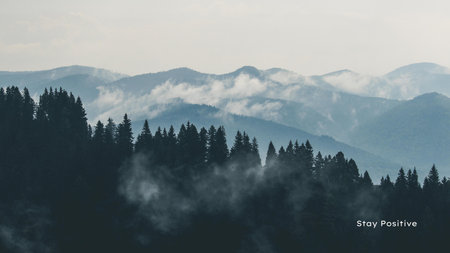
(70, 77)
(405, 82)
(414, 133)
(264, 131)
(287, 98)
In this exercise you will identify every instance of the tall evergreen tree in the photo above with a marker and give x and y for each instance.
(99, 135)
(125, 138)
(221, 150)
(237, 145)
(400, 183)
(431, 188)
(203, 134)
(413, 181)
(211, 145)
(271, 155)
(254, 152)
(110, 132)
(144, 139)
(319, 165)
(309, 156)
(366, 180)
(386, 184)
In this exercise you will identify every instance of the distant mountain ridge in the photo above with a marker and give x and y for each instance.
(350, 107)
(280, 135)
(414, 133)
(81, 80)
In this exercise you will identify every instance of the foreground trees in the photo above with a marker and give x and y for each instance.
(66, 186)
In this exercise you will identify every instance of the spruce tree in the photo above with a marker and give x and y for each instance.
(237, 145)
(319, 165)
(281, 155)
(431, 188)
(125, 138)
(110, 133)
(386, 184)
(211, 145)
(144, 139)
(271, 155)
(366, 180)
(400, 183)
(203, 134)
(99, 135)
(413, 181)
(256, 159)
(221, 150)
(309, 156)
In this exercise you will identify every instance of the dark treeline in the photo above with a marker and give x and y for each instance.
(68, 187)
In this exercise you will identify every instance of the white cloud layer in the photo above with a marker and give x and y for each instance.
(230, 94)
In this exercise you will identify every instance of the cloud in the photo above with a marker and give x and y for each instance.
(157, 194)
(403, 86)
(25, 227)
(267, 110)
(350, 82)
(227, 94)
(287, 77)
(335, 97)
(108, 97)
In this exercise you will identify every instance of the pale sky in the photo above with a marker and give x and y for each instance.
(309, 37)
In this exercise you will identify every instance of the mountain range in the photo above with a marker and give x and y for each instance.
(398, 119)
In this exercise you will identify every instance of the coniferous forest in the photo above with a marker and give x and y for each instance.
(66, 186)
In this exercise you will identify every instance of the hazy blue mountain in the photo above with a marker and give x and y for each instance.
(289, 113)
(79, 79)
(264, 131)
(147, 82)
(280, 95)
(350, 107)
(344, 111)
(403, 83)
(414, 133)
(421, 78)
(82, 85)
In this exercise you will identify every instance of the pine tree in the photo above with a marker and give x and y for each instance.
(28, 107)
(246, 145)
(238, 145)
(203, 134)
(211, 145)
(400, 183)
(309, 156)
(125, 138)
(171, 148)
(386, 184)
(431, 188)
(99, 135)
(144, 139)
(290, 150)
(110, 133)
(366, 180)
(353, 172)
(157, 147)
(413, 181)
(256, 159)
(432, 180)
(319, 165)
(221, 150)
(271, 155)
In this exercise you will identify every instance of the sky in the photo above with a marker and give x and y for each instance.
(309, 37)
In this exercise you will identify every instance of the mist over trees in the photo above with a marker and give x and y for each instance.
(67, 186)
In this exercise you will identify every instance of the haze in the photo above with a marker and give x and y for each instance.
(309, 37)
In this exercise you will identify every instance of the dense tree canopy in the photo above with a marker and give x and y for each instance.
(66, 186)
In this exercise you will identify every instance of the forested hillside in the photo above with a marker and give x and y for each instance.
(66, 186)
